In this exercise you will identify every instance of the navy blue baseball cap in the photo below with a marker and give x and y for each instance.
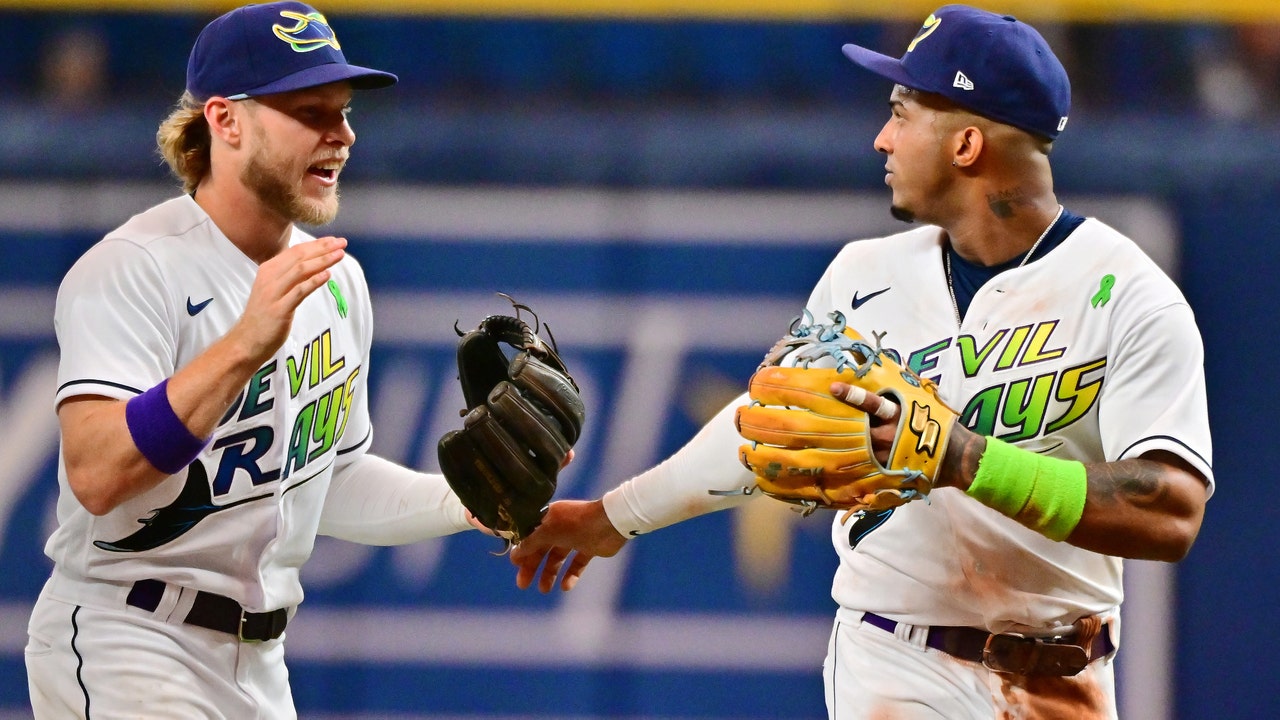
(994, 65)
(272, 48)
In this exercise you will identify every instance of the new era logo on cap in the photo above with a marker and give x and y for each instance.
(272, 48)
(991, 64)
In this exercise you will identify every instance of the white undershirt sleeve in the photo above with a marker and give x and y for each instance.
(374, 501)
(678, 488)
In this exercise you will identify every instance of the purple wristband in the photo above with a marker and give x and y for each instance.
(159, 433)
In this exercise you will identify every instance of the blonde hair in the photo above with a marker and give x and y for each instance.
(183, 139)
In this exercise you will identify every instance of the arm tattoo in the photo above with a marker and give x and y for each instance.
(964, 450)
(1140, 483)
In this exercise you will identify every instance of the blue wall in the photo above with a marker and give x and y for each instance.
(666, 105)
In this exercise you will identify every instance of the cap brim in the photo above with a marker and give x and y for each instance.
(882, 65)
(361, 78)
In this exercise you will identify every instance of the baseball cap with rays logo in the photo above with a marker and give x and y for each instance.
(994, 65)
(272, 48)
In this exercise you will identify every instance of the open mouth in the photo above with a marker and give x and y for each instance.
(325, 172)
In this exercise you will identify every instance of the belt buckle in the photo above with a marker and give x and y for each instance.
(270, 627)
(240, 629)
(1033, 656)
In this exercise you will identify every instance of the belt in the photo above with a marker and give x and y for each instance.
(1011, 653)
(215, 612)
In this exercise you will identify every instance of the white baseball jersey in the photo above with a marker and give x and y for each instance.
(1088, 353)
(241, 520)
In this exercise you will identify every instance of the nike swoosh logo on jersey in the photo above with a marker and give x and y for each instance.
(860, 301)
(193, 309)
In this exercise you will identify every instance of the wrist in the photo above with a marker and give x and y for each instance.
(964, 453)
(159, 434)
(617, 515)
(1043, 493)
(241, 352)
(607, 533)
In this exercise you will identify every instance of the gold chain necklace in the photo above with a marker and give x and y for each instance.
(946, 262)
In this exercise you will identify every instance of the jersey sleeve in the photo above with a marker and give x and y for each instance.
(821, 299)
(114, 324)
(374, 501)
(1154, 396)
(681, 486)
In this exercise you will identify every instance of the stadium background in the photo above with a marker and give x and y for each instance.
(634, 170)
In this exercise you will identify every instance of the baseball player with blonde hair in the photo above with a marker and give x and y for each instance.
(213, 398)
(1073, 367)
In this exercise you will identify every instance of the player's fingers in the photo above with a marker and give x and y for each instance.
(328, 241)
(474, 522)
(574, 571)
(311, 267)
(308, 257)
(299, 292)
(531, 550)
(528, 569)
(876, 405)
(303, 252)
(286, 280)
(551, 569)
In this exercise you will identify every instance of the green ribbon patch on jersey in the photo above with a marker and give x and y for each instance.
(1099, 299)
(342, 301)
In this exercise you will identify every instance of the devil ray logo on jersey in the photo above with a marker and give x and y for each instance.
(194, 504)
(866, 522)
(249, 452)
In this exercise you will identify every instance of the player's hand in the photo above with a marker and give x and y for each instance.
(884, 419)
(882, 411)
(505, 534)
(475, 523)
(282, 283)
(572, 530)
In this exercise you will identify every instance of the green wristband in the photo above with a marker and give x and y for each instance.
(1044, 493)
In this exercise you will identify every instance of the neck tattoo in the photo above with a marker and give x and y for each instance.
(946, 262)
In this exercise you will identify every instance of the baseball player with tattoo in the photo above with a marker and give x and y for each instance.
(1071, 429)
(212, 398)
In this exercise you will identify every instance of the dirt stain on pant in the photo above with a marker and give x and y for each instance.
(1049, 697)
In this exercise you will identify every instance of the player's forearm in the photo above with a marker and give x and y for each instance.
(374, 501)
(104, 468)
(203, 390)
(1146, 508)
(104, 464)
(1141, 508)
(680, 487)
